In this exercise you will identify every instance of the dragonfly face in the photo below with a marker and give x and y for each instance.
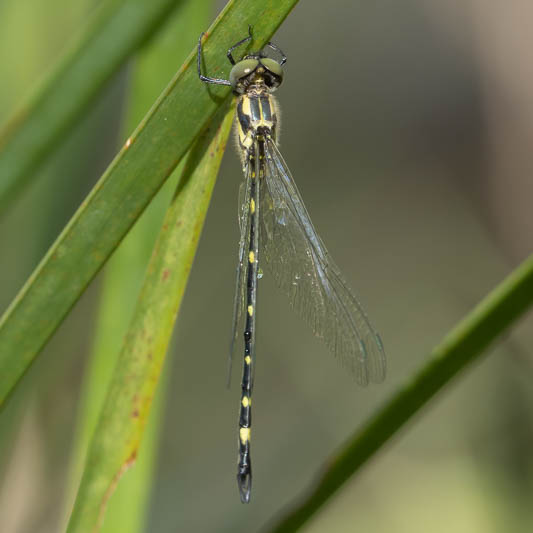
(256, 71)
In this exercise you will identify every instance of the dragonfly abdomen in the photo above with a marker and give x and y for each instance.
(255, 157)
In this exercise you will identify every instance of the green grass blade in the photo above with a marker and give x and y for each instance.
(117, 30)
(152, 152)
(122, 282)
(118, 433)
(464, 344)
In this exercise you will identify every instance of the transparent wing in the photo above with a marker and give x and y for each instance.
(304, 270)
(244, 245)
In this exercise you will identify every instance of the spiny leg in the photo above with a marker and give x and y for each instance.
(236, 45)
(279, 51)
(206, 79)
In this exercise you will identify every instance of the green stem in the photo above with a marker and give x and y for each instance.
(123, 279)
(47, 118)
(465, 343)
(120, 427)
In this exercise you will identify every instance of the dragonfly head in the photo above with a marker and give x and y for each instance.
(255, 69)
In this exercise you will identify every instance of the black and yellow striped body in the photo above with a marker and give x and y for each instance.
(257, 116)
(252, 79)
(256, 120)
(272, 215)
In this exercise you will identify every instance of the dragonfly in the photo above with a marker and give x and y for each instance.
(275, 228)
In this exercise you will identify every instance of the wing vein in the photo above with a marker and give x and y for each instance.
(306, 272)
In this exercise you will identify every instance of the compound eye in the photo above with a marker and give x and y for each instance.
(241, 70)
(273, 66)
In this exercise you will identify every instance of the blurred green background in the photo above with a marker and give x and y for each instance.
(408, 128)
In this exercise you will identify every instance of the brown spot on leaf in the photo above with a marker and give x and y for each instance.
(103, 504)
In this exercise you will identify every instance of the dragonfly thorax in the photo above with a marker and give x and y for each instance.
(257, 118)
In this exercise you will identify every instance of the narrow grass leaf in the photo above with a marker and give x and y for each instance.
(119, 430)
(147, 159)
(123, 278)
(31, 135)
